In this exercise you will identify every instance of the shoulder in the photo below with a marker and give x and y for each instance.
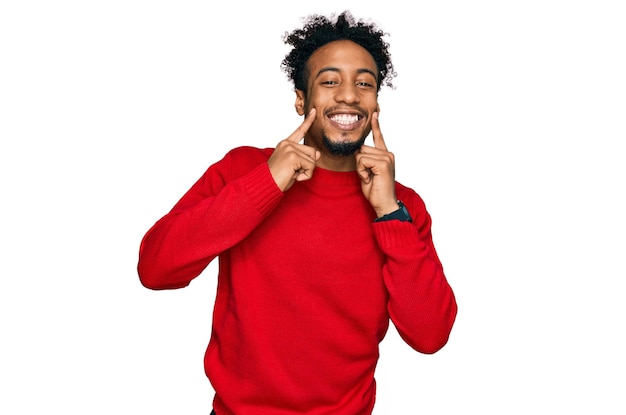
(249, 154)
(236, 163)
(410, 197)
(240, 160)
(416, 207)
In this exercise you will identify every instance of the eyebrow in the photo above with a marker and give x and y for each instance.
(333, 69)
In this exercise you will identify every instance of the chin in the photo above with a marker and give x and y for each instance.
(342, 148)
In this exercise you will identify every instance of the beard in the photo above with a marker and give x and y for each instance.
(342, 148)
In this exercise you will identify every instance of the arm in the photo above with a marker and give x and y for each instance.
(421, 303)
(221, 208)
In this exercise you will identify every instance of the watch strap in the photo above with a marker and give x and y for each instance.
(401, 214)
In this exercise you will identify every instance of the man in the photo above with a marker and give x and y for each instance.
(319, 247)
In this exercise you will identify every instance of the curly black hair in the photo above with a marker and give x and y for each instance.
(320, 30)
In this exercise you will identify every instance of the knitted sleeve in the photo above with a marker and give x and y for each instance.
(230, 199)
(421, 303)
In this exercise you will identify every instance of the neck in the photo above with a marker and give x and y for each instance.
(336, 163)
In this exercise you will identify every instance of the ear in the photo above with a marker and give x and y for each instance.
(299, 102)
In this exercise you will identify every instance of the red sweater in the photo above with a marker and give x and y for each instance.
(307, 284)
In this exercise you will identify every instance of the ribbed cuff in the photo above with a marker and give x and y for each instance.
(262, 189)
(394, 233)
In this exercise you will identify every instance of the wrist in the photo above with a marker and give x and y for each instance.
(387, 209)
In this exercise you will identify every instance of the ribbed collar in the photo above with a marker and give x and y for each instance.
(333, 183)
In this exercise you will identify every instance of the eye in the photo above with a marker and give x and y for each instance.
(329, 82)
(364, 84)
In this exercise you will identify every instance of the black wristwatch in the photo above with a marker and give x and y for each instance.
(401, 214)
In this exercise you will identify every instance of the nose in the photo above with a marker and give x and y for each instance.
(347, 93)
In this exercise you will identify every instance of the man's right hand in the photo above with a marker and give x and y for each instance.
(292, 161)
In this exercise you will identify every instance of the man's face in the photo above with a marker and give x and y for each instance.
(342, 87)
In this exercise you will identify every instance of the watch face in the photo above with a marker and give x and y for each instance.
(405, 212)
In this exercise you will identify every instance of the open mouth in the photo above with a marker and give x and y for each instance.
(346, 121)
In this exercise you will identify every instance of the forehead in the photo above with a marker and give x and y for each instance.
(344, 55)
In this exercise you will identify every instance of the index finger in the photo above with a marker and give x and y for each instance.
(377, 135)
(298, 135)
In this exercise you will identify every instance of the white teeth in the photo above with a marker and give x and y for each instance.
(345, 118)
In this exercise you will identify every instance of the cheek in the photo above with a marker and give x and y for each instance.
(309, 103)
(319, 98)
(371, 103)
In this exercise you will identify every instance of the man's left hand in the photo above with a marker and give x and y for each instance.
(376, 168)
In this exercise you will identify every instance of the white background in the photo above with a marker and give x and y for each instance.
(508, 117)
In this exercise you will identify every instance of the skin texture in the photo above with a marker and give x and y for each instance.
(342, 83)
